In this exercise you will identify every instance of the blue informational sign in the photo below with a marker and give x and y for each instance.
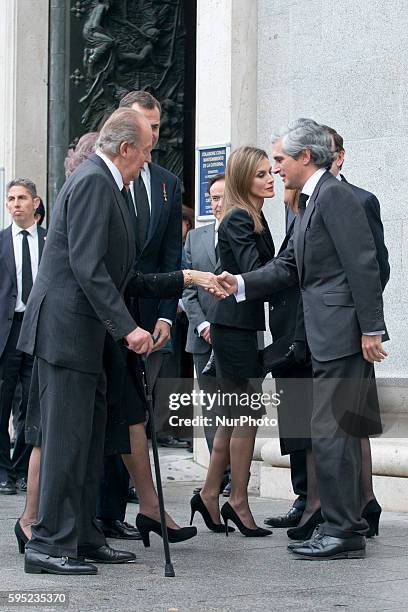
(211, 161)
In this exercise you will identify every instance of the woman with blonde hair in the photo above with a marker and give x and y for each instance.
(245, 244)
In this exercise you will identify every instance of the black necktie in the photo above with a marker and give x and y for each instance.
(302, 203)
(131, 208)
(26, 272)
(143, 211)
(217, 252)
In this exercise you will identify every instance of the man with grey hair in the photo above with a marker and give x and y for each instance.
(333, 257)
(76, 300)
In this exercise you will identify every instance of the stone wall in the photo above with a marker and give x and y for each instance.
(345, 64)
(23, 92)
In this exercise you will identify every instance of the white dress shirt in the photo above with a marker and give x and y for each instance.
(18, 257)
(113, 169)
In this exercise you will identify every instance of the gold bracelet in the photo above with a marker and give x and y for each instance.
(188, 278)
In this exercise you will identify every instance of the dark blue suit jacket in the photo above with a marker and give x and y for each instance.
(8, 281)
(372, 209)
(162, 250)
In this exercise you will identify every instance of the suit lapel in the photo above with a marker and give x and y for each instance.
(120, 201)
(209, 243)
(8, 254)
(302, 224)
(41, 234)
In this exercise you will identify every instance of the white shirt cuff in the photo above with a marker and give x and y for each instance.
(166, 320)
(378, 333)
(240, 293)
(202, 326)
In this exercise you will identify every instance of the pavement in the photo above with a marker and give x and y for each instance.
(215, 573)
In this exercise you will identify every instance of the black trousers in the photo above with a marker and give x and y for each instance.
(73, 418)
(113, 492)
(340, 389)
(298, 474)
(15, 366)
(209, 385)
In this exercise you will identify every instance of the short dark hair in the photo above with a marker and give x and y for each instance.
(143, 98)
(337, 139)
(23, 182)
(214, 179)
(40, 210)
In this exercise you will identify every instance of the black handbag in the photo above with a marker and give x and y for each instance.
(278, 357)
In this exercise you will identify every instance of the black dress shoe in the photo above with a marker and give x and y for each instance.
(172, 442)
(8, 488)
(21, 484)
(323, 546)
(119, 530)
(39, 563)
(106, 554)
(133, 497)
(290, 519)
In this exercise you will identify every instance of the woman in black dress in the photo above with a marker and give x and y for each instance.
(245, 244)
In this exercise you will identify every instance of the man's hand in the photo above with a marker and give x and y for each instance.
(161, 333)
(228, 282)
(140, 341)
(372, 348)
(205, 334)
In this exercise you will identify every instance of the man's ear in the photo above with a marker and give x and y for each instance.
(36, 201)
(306, 157)
(123, 148)
(340, 158)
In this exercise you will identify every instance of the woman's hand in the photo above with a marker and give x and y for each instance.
(206, 280)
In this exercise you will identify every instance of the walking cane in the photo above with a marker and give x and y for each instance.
(168, 569)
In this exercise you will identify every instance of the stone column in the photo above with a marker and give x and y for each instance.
(226, 86)
(24, 92)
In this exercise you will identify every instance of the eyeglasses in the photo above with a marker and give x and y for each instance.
(216, 198)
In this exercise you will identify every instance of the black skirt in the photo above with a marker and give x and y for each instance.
(239, 371)
(125, 396)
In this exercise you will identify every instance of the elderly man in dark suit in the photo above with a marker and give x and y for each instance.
(77, 299)
(155, 203)
(202, 253)
(21, 246)
(332, 254)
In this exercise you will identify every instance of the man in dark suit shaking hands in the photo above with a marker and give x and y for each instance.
(76, 300)
(21, 246)
(333, 256)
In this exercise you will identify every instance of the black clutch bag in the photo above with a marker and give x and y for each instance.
(278, 357)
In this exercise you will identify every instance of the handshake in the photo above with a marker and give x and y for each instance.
(223, 285)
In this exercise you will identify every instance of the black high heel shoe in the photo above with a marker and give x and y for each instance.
(228, 514)
(21, 537)
(197, 505)
(372, 513)
(145, 525)
(305, 532)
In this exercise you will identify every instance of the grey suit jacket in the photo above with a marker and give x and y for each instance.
(200, 255)
(86, 264)
(8, 280)
(332, 252)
